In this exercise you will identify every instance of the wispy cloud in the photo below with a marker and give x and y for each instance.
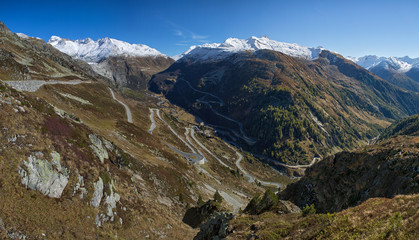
(188, 37)
(198, 37)
(179, 33)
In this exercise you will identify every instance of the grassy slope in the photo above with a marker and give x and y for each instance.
(377, 218)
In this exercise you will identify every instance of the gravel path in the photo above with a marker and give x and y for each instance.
(250, 177)
(34, 85)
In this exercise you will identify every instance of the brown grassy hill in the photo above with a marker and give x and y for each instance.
(377, 218)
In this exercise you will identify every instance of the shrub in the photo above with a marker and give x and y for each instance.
(217, 197)
(308, 210)
(200, 202)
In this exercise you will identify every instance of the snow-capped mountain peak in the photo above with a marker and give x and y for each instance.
(95, 51)
(399, 64)
(212, 51)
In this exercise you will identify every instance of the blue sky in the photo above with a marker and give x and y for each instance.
(355, 28)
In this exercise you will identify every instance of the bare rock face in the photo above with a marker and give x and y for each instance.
(98, 148)
(131, 72)
(50, 178)
(98, 194)
(80, 187)
(110, 199)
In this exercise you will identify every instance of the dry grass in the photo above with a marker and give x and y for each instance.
(377, 218)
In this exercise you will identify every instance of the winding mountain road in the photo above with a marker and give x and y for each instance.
(208, 151)
(220, 102)
(243, 135)
(247, 175)
(190, 142)
(127, 110)
(195, 157)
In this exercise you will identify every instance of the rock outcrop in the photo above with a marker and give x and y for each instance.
(216, 227)
(98, 148)
(195, 216)
(98, 193)
(50, 178)
(349, 178)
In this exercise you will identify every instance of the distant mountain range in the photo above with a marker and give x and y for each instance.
(400, 71)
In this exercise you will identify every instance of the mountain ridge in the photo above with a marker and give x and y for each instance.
(216, 51)
(400, 71)
(127, 65)
(96, 51)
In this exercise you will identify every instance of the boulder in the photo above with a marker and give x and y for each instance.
(48, 178)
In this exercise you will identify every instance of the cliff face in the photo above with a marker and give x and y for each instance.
(132, 72)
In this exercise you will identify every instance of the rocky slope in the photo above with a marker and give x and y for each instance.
(131, 72)
(74, 166)
(349, 178)
(377, 218)
(62, 176)
(289, 109)
(31, 58)
(350, 195)
(128, 65)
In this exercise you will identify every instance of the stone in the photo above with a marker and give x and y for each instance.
(2, 227)
(98, 148)
(80, 187)
(111, 201)
(108, 145)
(98, 194)
(12, 139)
(41, 175)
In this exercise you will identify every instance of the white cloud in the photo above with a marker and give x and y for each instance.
(189, 37)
